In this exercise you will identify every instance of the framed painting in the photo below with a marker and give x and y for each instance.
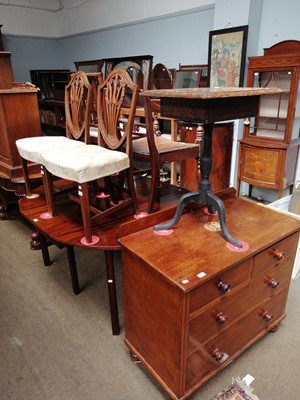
(226, 56)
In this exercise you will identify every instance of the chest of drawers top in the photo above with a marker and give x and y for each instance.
(192, 254)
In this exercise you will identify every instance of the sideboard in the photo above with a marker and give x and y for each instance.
(6, 76)
(192, 304)
(19, 118)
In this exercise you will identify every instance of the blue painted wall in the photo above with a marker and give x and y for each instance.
(171, 40)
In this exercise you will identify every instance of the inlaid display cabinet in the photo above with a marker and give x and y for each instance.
(268, 151)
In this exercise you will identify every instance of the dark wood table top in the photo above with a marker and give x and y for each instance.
(209, 105)
(210, 93)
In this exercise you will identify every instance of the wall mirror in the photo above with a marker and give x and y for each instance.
(89, 66)
(187, 79)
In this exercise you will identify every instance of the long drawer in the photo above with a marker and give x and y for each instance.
(235, 338)
(224, 312)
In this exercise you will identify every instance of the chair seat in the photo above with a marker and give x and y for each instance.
(84, 163)
(31, 148)
(163, 146)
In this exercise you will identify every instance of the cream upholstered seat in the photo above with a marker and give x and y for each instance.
(84, 164)
(32, 148)
(78, 97)
(109, 159)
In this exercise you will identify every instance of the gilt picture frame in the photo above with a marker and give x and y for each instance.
(226, 56)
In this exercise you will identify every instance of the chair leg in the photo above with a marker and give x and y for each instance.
(112, 293)
(48, 187)
(154, 186)
(238, 187)
(132, 192)
(110, 188)
(83, 192)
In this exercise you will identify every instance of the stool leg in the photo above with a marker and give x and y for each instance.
(48, 187)
(112, 293)
(83, 192)
(26, 178)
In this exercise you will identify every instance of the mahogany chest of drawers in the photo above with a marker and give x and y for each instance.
(192, 305)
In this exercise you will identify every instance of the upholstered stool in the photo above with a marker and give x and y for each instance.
(31, 149)
(78, 96)
(108, 161)
(81, 164)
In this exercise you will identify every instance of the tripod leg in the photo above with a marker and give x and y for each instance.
(218, 204)
(183, 201)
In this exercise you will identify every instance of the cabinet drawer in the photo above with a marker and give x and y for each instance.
(235, 338)
(223, 313)
(275, 254)
(213, 289)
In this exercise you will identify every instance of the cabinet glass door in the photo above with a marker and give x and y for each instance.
(295, 131)
(271, 121)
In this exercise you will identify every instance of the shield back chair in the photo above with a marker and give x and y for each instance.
(95, 79)
(158, 150)
(108, 161)
(78, 97)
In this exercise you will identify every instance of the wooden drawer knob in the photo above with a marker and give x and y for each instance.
(224, 287)
(266, 316)
(278, 254)
(217, 355)
(221, 318)
(272, 283)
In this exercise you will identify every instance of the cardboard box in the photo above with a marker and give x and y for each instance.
(284, 205)
(294, 204)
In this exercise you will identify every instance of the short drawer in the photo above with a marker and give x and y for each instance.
(235, 338)
(216, 318)
(223, 313)
(275, 254)
(219, 286)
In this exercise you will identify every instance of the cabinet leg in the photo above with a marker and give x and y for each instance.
(275, 328)
(134, 357)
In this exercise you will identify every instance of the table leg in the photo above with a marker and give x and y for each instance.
(112, 293)
(73, 269)
(204, 194)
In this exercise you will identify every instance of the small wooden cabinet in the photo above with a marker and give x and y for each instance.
(269, 149)
(19, 118)
(192, 305)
